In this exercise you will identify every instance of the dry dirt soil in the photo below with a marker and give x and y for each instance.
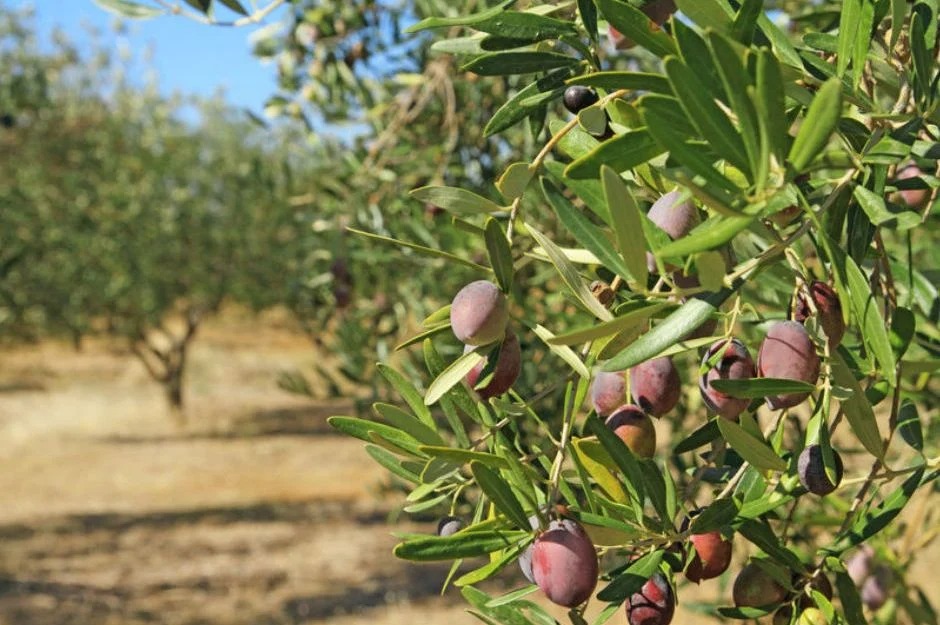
(254, 513)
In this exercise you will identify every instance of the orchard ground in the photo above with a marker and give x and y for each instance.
(256, 512)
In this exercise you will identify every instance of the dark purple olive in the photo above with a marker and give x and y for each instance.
(812, 471)
(754, 587)
(578, 98)
(829, 308)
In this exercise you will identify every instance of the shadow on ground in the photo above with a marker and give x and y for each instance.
(312, 511)
(293, 421)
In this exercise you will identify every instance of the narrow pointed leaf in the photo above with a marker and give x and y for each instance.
(868, 315)
(126, 8)
(507, 63)
(752, 449)
(628, 224)
(712, 123)
(632, 579)
(497, 246)
(364, 429)
(570, 275)
(421, 249)
(715, 232)
(770, 103)
(815, 129)
(857, 409)
(500, 493)
(456, 200)
(562, 351)
(584, 232)
(459, 457)
(753, 388)
(586, 452)
(632, 81)
(634, 24)
(392, 463)
(669, 331)
(517, 108)
(621, 153)
(622, 456)
(451, 376)
(236, 6)
(620, 323)
(463, 20)
(459, 545)
(408, 423)
(407, 391)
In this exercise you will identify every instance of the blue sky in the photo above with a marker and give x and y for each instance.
(188, 57)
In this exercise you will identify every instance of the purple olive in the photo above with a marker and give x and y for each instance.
(608, 391)
(654, 604)
(712, 556)
(564, 563)
(655, 386)
(788, 353)
(479, 313)
(812, 471)
(508, 358)
(675, 216)
(859, 566)
(635, 429)
(735, 364)
(754, 587)
(877, 588)
(829, 308)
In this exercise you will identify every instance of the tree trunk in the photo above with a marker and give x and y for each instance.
(173, 389)
(167, 365)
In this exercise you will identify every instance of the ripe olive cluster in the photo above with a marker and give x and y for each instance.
(562, 561)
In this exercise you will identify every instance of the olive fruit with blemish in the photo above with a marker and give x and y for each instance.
(655, 386)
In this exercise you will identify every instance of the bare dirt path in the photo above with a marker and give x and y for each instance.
(257, 513)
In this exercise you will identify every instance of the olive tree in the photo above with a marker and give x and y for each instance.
(120, 217)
